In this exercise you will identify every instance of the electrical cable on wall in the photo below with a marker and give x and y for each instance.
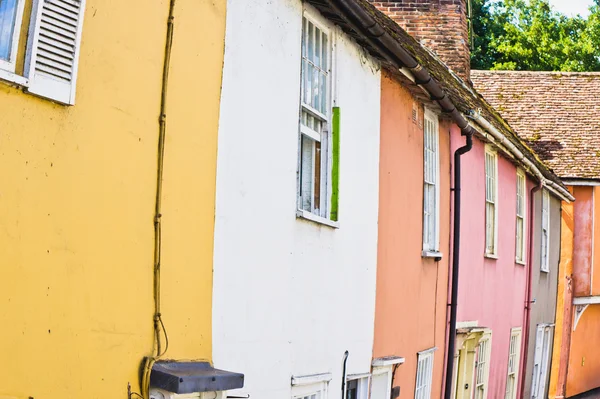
(159, 326)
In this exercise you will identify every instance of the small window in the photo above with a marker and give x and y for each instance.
(491, 200)
(544, 265)
(11, 17)
(309, 389)
(482, 367)
(514, 349)
(424, 374)
(431, 208)
(520, 227)
(357, 388)
(315, 121)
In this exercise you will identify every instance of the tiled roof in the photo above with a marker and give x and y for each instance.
(557, 113)
(463, 96)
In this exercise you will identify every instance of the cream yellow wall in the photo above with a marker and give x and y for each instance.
(77, 187)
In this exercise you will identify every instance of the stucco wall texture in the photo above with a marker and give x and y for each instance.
(543, 284)
(405, 327)
(77, 204)
(290, 295)
(491, 291)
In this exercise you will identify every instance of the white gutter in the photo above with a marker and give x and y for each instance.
(501, 139)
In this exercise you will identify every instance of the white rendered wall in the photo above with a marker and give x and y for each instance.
(290, 295)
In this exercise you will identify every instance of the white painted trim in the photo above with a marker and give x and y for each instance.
(581, 182)
(387, 361)
(350, 377)
(310, 379)
(310, 133)
(302, 214)
(467, 324)
(546, 267)
(11, 77)
(490, 150)
(521, 172)
(427, 351)
(432, 254)
(433, 117)
(10, 64)
(587, 300)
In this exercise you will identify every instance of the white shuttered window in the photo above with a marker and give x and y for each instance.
(314, 119)
(544, 265)
(520, 225)
(431, 183)
(424, 374)
(491, 199)
(514, 349)
(54, 42)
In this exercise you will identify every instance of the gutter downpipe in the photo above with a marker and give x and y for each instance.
(455, 266)
(561, 192)
(527, 314)
(362, 21)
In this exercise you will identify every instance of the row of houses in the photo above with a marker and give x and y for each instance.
(317, 196)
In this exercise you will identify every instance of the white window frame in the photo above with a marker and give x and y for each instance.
(10, 64)
(542, 356)
(362, 388)
(424, 379)
(482, 374)
(431, 221)
(305, 386)
(514, 362)
(323, 214)
(522, 215)
(545, 232)
(491, 199)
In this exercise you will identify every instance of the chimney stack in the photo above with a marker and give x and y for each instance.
(440, 25)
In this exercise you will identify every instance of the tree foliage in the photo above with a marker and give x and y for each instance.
(530, 35)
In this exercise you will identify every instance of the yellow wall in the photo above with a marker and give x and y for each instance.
(77, 188)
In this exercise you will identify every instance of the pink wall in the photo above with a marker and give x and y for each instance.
(491, 291)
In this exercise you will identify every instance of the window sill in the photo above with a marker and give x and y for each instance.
(13, 78)
(317, 219)
(520, 263)
(432, 254)
(491, 256)
(545, 270)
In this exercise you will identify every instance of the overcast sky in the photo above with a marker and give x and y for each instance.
(572, 7)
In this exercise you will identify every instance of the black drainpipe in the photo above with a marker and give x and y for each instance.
(344, 374)
(455, 263)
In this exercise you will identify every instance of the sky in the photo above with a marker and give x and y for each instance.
(572, 7)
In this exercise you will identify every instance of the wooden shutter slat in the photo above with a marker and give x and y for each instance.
(53, 48)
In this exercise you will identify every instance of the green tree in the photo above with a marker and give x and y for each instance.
(530, 35)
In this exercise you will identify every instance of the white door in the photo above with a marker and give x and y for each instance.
(541, 361)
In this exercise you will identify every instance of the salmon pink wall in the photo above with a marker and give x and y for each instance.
(582, 248)
(410, 310)
(491, 291)
(584, 360)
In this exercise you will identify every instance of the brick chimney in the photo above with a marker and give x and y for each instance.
(440, 25)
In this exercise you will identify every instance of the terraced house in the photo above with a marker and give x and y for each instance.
(552, 112)
(85, 234)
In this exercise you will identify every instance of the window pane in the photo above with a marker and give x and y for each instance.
(306, 173)
(8, 13)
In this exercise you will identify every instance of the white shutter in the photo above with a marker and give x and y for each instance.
(53, 48)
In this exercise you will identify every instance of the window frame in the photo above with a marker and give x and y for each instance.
(427, 357)
(521, 174)
(11, 64)
(431, 248)
(545, 216)
(483, 385)
(494, 154)
(325, 137)
(516, 362)
(362, 385)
